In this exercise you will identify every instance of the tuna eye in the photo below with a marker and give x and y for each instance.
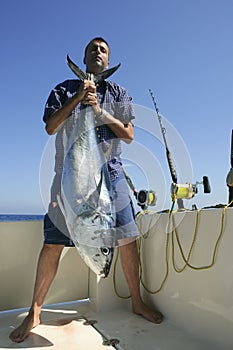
(105, 250)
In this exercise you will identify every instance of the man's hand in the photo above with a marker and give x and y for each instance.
(88, 91)
(84, 88)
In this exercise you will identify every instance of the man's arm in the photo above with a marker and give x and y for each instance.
(124, 132)
(57, 118)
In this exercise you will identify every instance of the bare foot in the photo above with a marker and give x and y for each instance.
(23, 331)
(150, 315)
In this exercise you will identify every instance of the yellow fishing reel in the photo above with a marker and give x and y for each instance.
(188, 190)
(146, 198)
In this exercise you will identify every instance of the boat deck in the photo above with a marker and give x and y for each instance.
(195, 298)
(74, 325)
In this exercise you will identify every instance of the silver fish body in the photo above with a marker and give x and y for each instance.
(86, 198)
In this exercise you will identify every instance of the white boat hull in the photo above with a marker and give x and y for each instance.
(197, 304)
(199, 301)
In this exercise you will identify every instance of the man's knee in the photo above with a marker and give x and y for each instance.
(55, 249)
(126, 241)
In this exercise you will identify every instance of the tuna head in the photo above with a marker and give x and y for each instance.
(99, 260)
(93, 235)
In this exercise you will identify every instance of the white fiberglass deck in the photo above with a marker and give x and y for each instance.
(63, 327)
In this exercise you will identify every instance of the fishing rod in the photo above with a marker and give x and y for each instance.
(229, 179)
(168, 153)
(179, 191)
(163, 130)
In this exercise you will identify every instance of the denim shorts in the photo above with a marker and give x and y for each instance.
(125, 217)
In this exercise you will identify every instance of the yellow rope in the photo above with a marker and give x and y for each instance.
(178, 270)
(173, 234)
(192, 245)
(114, 278)
(144, 236)
(166, 272)
(166, 260)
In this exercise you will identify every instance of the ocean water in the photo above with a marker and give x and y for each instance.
(20, 217)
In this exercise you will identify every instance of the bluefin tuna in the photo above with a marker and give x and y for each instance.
(87, 198)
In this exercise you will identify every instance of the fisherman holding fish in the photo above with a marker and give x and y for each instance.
(67, 107)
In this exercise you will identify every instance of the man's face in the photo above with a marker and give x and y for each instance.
(97, 57)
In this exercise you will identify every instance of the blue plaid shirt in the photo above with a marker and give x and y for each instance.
(114, 99)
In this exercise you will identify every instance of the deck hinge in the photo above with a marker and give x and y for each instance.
(110, 342)
(89, 322)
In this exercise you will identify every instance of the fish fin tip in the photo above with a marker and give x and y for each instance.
(107, 73)
(75, 69)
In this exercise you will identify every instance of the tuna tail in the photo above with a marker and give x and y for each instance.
(105, 74)
(76, 70)
(83, 75)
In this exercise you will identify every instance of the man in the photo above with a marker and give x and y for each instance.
(63, 100)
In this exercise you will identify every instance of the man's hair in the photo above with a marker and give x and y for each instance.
(97, 39)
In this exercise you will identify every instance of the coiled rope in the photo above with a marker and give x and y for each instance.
(174, 235)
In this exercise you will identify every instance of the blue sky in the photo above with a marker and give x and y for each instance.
(181, 49)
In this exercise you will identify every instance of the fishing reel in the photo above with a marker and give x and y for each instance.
(188, 190)
(146, 198)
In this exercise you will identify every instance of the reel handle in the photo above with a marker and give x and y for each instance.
(230, 195)
(229, 176)
(206, 184)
